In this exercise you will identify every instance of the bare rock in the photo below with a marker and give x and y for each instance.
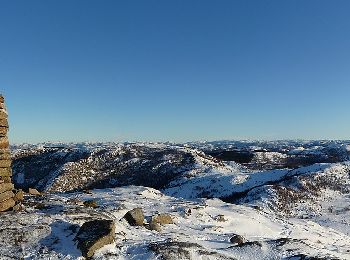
(6, 187)
(34, 192)
(18, 207)
(7, 204)
(170, 250)
(95, 234)
(155, 226)
(19, 195)
(162, 219)
(135, 217)
(220, 218)
(237, 239)
(90, 203)
(6, 195)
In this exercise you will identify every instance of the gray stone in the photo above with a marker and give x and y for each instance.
(163, 219)
(135, 217)
(237, 239)
(95, 234)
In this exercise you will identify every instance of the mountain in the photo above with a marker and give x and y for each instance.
(281, 200)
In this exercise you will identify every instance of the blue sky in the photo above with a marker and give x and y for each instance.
(175, 70)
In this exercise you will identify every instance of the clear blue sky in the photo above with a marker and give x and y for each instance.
(175, 70)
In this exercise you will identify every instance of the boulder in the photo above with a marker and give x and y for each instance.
(155, 226)
(3, 122)
(6, 187)
(5, 172)
(5, 163)
(237, 239)
(5, 179)
(162, 219)
(18, 207)
(90, 203)
(135, 217)
(95, 234)
(3, 130)
(220, 218)
(5, 154)
(35, 192)
(6, 195)
(19, 195)
(7, 204)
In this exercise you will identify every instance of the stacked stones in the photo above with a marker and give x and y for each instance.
(7, 200)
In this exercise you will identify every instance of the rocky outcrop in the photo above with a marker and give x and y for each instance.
(170, 250)
(6, 195)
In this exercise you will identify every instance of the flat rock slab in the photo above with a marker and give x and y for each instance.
(95, 234)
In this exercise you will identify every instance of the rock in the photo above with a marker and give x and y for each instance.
(6, 187)
(90, 203)
(5, 163)
(184, 250)
(3, 122)
(3, 130)
(18, 207)
(6, 172)
(35, 192)
(155, 226)
(220, 218)
(19, 195)
(76, 201)
(5, 155)
(4, 143)
(6, 195)
(237, 239)
(5, 179)
(250, 243)
(135, 217)
(7, 204)
(162, 219)
(95, 234)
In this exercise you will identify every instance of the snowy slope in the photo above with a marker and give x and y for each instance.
(285, 205)
(48, 232)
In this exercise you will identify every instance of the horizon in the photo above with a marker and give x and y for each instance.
(183, 71)
(186, 142)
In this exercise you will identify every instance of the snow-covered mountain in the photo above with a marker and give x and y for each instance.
(287, 199)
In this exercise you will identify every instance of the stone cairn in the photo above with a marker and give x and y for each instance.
(7, 196)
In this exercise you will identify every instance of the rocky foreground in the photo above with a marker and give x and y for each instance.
(225, 200)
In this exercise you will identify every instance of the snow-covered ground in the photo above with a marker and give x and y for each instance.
(283, 213)
(46, 229)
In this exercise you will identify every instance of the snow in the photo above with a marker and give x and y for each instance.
(50, 234)
(316, 223)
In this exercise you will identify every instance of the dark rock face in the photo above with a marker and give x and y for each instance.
(95, 234)
(183, 250)
(135, 217)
